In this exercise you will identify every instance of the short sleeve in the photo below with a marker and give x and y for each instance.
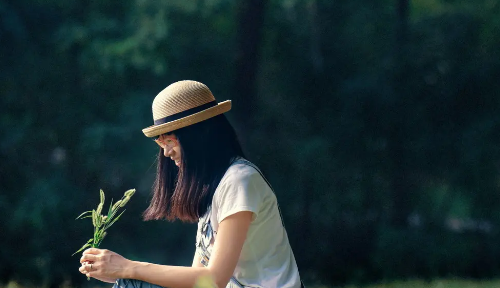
(240, 191)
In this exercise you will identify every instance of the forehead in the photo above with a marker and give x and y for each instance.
(168, 137)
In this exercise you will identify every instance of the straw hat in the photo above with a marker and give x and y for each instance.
(182, 104)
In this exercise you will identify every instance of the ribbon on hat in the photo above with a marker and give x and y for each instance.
(185, 113)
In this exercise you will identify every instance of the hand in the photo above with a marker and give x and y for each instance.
(103, 265)
(87, 267)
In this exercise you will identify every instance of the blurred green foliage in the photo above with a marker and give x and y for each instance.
(376, 121)
(433, 284)
(439, 283)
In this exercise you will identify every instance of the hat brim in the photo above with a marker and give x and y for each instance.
(156, 130)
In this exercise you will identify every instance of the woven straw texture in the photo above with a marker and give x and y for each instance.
(181, 96)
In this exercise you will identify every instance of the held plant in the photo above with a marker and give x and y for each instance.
(103, 222)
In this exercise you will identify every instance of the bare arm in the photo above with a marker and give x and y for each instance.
(225, 254)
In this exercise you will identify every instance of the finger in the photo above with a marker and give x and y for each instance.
(86, 267)
(89, 258)
(92, 251)
(83, 269)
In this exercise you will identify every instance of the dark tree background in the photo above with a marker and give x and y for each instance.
(376, 121)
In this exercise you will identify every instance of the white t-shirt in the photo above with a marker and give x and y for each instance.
(266, 259)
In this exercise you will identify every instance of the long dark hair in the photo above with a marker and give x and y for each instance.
(207, 150)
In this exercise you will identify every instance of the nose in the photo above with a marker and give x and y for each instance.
(167, 151)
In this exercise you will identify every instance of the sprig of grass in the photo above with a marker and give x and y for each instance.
(103, 222)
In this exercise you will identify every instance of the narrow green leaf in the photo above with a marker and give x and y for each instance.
(83, 214)
(113, 214)
(114, 220)
(110, 206)
(83, 247)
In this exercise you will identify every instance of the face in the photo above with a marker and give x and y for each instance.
(171, 147)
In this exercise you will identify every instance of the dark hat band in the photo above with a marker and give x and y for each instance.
(185, 113)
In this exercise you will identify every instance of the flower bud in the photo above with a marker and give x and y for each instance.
(116, 205)
(94, 220)
(124, 201)
(101, 193)
(129, 193)
(99, 209)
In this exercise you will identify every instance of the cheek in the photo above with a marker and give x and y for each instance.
(177, 151)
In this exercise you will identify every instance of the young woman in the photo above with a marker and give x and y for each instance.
(202, 176)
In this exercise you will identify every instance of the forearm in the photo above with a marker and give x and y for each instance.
(166, 276)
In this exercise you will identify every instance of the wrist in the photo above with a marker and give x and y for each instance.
(130, 271)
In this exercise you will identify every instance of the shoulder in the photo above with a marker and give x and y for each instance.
(241, 178)
(240, 171)
(241, 189)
